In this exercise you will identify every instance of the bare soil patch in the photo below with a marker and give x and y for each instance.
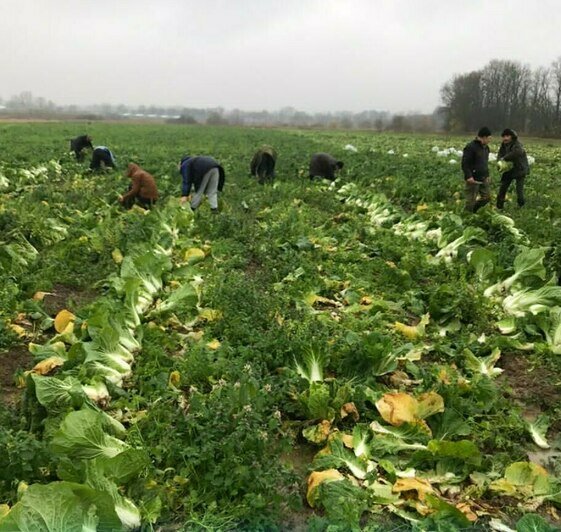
(299, 459)
(534, 389)
(11, 361)
(252, 266)
(528, 385)
(67, 297)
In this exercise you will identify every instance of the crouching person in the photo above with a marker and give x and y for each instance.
(78, 144)
(324, 165)
(205, 176)
(102, 156)
(263, 164)
(142, 190)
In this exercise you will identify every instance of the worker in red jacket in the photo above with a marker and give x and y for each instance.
(142, 190)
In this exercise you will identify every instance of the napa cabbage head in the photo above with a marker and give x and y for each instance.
(528, 263)
(148, 267)
(550, 324)
(534, 302)
(509, 226)
(504, 166)
(102, 326)
(82, 435)
(107, 365)
(58, 395)
(311, 365)
(361, 438)
(340, 457)
(62, 506)
(4, 183)
(450, 250)
(538, 430)
(484, 365)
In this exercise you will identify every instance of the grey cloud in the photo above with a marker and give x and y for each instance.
(312, 55)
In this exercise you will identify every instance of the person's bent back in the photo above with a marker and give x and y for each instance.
(263, 164)
(142, 189)
(78, 144)
(324, 165)
(203, 174)
(102, 155)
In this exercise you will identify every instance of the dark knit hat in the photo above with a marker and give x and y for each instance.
(484, 132)
(509, 132)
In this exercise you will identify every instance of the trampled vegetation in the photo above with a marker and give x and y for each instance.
(351, 355)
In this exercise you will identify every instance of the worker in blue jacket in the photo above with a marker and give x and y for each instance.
(205, 176)
(102, 155)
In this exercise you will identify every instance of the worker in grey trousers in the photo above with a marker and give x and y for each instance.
(204, 175)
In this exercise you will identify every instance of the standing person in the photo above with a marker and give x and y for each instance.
(102, 155)
(263, 164)
(324, 165)
(206, 176)
(80, 143)
(512, 151)
(142, 189)
(475, 165)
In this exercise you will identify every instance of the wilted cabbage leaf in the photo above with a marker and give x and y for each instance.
(398, 408)
(316, 478)
(64, 322)
(413, 331)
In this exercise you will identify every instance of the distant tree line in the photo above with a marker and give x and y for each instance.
(287, 116)
(505, 94)
(28, 106)
(25, 104)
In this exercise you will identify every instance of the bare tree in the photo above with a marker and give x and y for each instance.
(540, 103)
(505, 93)
(556, 89)
(462, 101)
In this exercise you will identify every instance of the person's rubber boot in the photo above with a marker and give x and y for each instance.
(214, 211)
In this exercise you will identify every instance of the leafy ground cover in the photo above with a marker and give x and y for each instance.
(345, 356)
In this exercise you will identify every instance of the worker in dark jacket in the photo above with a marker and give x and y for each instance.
(263, 164)
(78, 144)
(324, 165)
(102, 155)
(512, 151)
(205, 176)
(142, 189)
(475, 165)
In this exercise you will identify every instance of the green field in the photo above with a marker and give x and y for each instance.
(361, 355)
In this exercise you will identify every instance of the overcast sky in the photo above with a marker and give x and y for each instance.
(315, 55)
